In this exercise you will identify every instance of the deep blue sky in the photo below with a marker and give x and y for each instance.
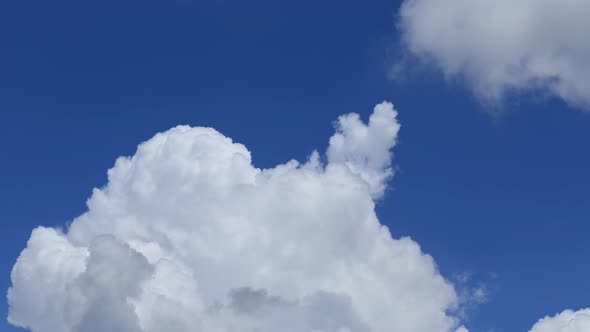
(505, 199)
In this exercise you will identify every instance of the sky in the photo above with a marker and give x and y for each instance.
(489, 174)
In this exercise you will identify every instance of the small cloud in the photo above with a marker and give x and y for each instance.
(566, 321)
(501, 47)
(472, 292)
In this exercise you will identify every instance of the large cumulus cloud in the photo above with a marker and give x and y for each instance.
(504, 45)
(188, 235)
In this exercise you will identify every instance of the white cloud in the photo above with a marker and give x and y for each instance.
(567, 321)
(503, 45)
(366, 149)
(188, 235)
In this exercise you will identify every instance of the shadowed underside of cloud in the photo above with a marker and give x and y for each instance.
(188, 235)
(498, 46)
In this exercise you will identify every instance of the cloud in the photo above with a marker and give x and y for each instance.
(188, 235)
(567, 321)
(354, 145)
(500, 46)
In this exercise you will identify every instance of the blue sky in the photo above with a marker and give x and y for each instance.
(501, 197)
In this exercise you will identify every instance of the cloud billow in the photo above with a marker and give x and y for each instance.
(188, 235)
(566, 321)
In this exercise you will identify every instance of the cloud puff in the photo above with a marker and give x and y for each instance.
(567, 321)
(188, 235)
(503, 45)
(354, 144)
